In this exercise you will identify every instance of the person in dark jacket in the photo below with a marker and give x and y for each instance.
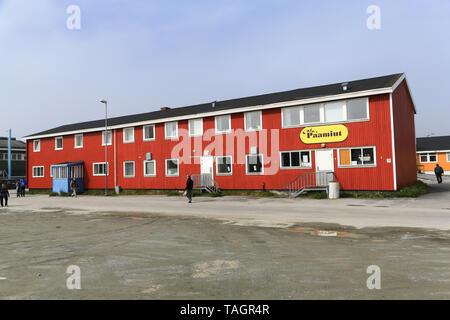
(18, 188)
(189, 187)
(4, 194)
(22, 188)
(74, 187)
(438, 171)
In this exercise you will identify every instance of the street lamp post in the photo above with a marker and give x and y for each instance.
(106, 146)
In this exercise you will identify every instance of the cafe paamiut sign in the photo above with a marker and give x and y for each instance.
(324, 134)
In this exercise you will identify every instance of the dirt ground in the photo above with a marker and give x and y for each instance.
(161, 257)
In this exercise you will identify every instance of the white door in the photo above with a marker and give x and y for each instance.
(207, 170)
(324, 163)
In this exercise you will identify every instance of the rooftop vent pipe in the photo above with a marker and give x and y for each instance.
(344, 86)
(165, 108)
(213, 104)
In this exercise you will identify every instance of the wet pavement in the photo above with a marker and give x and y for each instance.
(160, 257)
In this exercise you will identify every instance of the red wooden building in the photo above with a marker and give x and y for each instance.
(362, 131)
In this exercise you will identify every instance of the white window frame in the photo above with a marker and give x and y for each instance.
(428, 157)
(38, 167)
(124, 135)
(201, 127)
(124, 171)
(229, 124)
(373, 165)
(102, 174)
(178, 168)
(154, 164)
(56, 143)
(448, 156)
(34, 145)
(104, 136)
(176, 130)
(262, 165)
(143, 133)
(321, 106)
(75, 141)
(296, 167)
(217, 166)
(260, 121)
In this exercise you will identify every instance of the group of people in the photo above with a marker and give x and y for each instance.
(20, 187)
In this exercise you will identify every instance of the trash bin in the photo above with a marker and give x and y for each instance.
(333, 190)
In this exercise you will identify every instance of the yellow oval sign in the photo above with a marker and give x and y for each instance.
(324, 134)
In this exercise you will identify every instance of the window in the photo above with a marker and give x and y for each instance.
(254, 164)
(38, 172)
(334, 111)
(291, 117)
(36, 145)
(128, 135)
(253, 121)
(100, 169)
(311, 114)
(172, 167)
(58, 143)
(171, 129)
(149, 168)
(106, 137)
(79, 141)
(59, 172)
(448, 156)
(295, 159)
(224, 165)
(195, 127)
(128, 169)
(223, 124)
(429, 157)
(13, 156)
(357, 156)
(149, 133)
(357, 109)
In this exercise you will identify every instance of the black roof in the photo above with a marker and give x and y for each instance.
(15, 144)
(433, 143)
(284, 96)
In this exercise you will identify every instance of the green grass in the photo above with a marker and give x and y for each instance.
(413, 191)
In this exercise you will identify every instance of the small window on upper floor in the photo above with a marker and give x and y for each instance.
(195, 127)
(36, 145)
(58, 143)
(253, 121)
(171, 130)
(357, 109)
(79, 141)
(106, 136)
(128, 135)
(223, 124)
(149, 132)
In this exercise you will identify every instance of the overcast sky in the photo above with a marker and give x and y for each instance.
(141, 55)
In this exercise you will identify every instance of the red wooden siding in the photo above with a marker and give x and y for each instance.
(374, 132)
(405, 136)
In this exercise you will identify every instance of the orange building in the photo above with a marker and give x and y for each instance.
(433, 150)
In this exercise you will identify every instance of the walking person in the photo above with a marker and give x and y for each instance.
(4, 194)
(438, 171)
(74, 187)
(22, 188)
(18, 189)
(189, 187)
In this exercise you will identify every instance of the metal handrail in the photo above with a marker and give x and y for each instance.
(204, 181)
(310, 180)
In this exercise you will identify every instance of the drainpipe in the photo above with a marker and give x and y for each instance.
(115, 164)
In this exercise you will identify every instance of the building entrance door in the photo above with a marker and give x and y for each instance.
(207, 170)
(324, 163)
